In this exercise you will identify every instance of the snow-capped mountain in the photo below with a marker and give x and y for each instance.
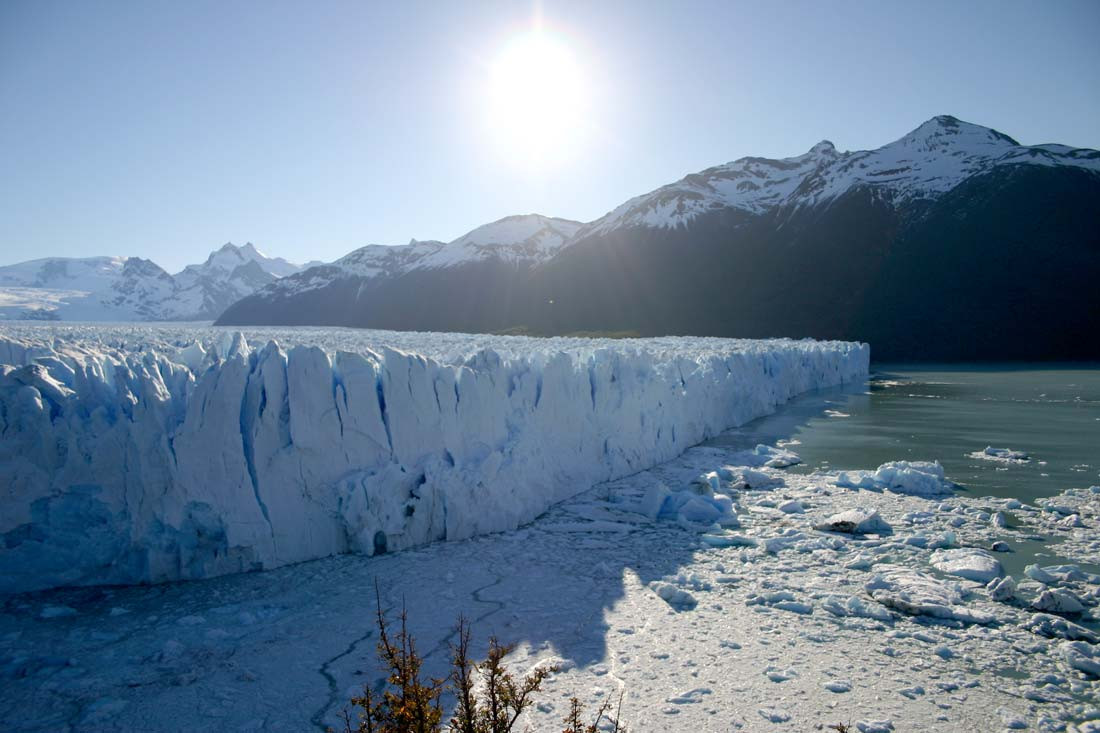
(923, 247)
(134, 289)
(229, 274)
(379, 260)
(928, 162)
(489, 252)
(527, 239)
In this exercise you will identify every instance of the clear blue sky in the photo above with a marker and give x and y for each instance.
(163, 129)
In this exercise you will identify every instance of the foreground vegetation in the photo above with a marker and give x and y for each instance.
(489, 698)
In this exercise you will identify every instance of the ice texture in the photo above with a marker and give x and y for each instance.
(968, 562)
(917, 478)
(141, 454)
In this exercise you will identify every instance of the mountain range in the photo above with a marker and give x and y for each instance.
(953, 242)
(135, 289)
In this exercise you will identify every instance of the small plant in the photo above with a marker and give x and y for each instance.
(574, 724)
(489, 698)
(410, 704)
(503, 698)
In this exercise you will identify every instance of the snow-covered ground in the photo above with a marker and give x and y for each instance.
(771, 625)
(147, 454)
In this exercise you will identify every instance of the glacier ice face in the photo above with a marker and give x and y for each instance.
(146, 454)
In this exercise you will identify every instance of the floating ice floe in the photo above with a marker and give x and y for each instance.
(1058, 600)
(767, 456)
(741, 478)
(1002, 455)
(697, 505)
(782, 599)
(855, 521)
(916, 594)
(676, 590)
(916, 478)
(967, 562)
(856, 606)
(1082, 656)
(1054, 627)
(1003, 589)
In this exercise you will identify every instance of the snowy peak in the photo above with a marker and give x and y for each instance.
(945, 132)
(229, 256)
(525, 239)
(132, 288)
(520, 239)
(67, 273)
(929, 161)
(374, 260)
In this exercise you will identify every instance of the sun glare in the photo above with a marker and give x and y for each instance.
(537, 99)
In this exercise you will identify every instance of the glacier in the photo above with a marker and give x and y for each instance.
(143, 454)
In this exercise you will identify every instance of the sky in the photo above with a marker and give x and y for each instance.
(164, 129)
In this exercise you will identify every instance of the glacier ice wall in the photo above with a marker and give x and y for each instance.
(142, 455)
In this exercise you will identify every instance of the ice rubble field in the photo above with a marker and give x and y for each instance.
(147, 454)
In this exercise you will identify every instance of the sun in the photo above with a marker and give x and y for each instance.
(537, 99)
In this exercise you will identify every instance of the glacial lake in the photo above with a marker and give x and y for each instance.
(945, 413)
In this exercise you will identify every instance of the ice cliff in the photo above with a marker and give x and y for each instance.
(132, 455)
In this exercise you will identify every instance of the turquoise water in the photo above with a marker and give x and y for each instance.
(945, 413)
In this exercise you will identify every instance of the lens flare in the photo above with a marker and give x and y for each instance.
(537, 99)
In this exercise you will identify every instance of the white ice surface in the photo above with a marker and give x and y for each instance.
(825, 629)
(137, 454)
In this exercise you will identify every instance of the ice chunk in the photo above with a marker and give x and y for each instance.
(791, 507)
(1057, 600)
(766, 455)
(917, 478)
(747, 478)
(874, 726)
(1036, 573)
(855, 521)
(1004, 455)
(654, 499)
(857, 607)
(1082, 656)
(728, 539)
(916, 594)
(968, 562)
(774, 715)
(1002, 589)
(1053, 627)
(673, 595)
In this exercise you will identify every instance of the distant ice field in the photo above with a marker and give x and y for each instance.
(449, 348)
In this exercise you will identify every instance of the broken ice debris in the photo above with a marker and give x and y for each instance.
(1057, 601)
(916, 594)
(855, 521)
(1004, 455)
(968, 562)
(916, 478)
